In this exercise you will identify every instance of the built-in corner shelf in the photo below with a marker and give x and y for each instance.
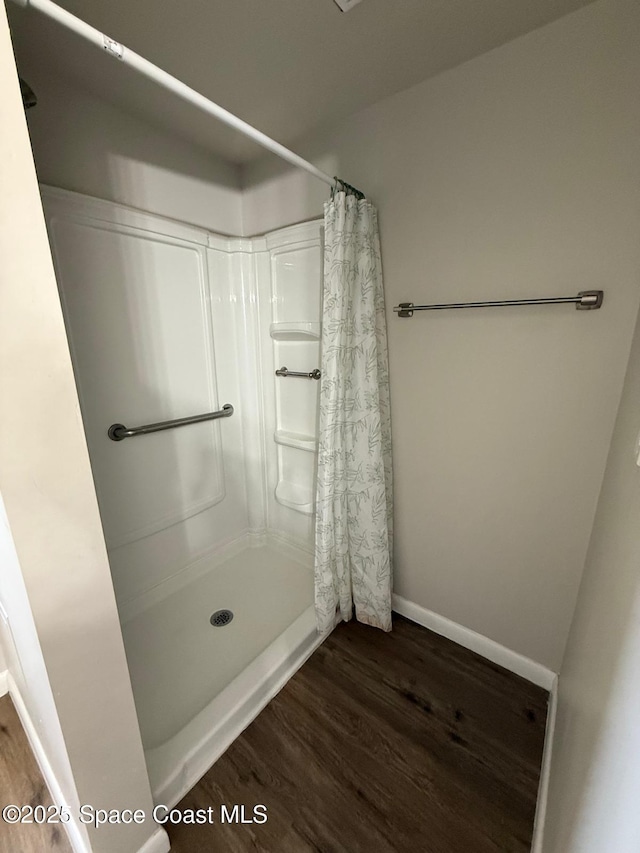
(295, 497)
(295, 331)
(295, 439)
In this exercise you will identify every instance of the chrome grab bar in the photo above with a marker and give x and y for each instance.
(117, 432)
(315, 374)
(586, 300)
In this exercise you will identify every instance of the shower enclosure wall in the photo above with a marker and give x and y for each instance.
(165, 321)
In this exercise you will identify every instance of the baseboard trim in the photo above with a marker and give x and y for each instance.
(513, 661)
(4, 682)
(78, 841)
(545, 773)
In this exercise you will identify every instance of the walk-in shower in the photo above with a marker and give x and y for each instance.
(213, 518)
(197, 360)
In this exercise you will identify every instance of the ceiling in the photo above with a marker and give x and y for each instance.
(284, 66)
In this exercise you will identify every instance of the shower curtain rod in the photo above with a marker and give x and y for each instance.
(134, 60)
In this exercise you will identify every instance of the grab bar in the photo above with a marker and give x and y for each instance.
(586, 300)
(117, 432)
(315, 374)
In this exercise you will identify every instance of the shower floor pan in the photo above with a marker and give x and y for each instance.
(198, 684)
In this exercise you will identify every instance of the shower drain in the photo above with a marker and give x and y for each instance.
(221, 618)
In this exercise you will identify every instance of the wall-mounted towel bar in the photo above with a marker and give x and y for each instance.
(117, 432)
(586, 300)
(315, 374)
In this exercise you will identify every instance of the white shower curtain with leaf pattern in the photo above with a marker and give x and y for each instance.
(354, 503)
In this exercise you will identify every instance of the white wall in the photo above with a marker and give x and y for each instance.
(595, 780)
(513, 175)
(84, 144)
(28, 669)
(50, 502)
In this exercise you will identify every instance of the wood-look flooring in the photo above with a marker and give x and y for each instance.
(21, 783)
(382, 743)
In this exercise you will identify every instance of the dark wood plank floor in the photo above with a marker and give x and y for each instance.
(382, 743)
(21, 783)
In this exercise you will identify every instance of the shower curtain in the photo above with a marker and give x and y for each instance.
(354, 503)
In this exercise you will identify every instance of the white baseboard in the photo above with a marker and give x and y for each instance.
(545, 773)
(513, 661)
(78, 841)
(4, 682)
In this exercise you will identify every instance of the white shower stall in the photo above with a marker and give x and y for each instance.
(209, 526)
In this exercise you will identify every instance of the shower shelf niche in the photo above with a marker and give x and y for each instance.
(295, 331)
(295, 497)
(289, 278)
(296, 439)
